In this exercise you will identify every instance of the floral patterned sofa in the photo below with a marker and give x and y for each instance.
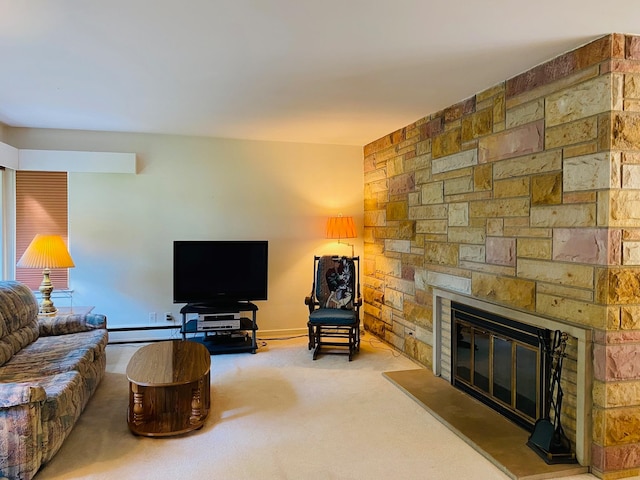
(49, 368)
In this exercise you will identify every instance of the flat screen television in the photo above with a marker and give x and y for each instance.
(219, 271)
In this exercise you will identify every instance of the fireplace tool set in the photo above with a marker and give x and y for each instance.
(548, 439)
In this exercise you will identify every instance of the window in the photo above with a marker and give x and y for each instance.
(41, 207)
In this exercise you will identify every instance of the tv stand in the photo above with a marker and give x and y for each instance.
(223, 340)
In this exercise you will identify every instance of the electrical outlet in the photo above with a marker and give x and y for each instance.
(153, 317)
(168, 316)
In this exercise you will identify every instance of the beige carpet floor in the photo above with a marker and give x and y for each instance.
(277, 415)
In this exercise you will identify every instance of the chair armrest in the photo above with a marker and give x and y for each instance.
(72, 323)
(22, 393)
(310, 302)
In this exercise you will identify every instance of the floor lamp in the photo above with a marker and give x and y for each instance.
(341, 227)
(46, 252)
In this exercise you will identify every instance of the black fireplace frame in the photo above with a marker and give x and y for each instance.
(501, 327)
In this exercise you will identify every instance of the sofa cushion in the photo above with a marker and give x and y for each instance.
(57, 354)
(18, 319)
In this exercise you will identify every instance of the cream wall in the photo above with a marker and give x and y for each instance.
(121, 226)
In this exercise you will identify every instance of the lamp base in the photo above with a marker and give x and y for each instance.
(46, 287)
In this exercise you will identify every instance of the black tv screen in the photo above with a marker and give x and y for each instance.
(219, 271)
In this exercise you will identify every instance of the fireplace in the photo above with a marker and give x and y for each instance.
(500, 362)
(513, 334)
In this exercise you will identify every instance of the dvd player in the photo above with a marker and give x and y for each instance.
(210, 322)
(219, 316)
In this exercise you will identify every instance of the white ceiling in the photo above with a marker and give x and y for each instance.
(319, 71)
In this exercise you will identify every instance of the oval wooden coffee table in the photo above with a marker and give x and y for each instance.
(169, 391)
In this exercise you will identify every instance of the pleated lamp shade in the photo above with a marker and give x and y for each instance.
(46, 251)
(341, 227)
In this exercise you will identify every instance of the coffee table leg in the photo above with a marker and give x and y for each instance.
(138, 404)
(196, 404)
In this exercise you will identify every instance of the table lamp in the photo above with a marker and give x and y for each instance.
(46, 252)
(341, 227)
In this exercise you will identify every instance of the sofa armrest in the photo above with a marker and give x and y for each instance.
(20, 393)
(21, 407)
(72, 323)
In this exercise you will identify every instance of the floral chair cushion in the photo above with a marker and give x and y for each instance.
(335, 282)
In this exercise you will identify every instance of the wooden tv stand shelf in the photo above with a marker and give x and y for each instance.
(224, 332)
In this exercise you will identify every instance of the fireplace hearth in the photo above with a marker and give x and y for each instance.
(499, 361)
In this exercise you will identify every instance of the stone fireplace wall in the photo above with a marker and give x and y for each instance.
(526, 195)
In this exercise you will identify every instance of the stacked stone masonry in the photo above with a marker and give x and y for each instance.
(526, 195)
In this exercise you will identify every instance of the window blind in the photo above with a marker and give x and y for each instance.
(41, 207)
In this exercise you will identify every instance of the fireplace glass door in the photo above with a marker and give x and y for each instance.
(499, 363)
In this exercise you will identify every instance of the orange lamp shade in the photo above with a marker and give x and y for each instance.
(46, 251)
(341, 227)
